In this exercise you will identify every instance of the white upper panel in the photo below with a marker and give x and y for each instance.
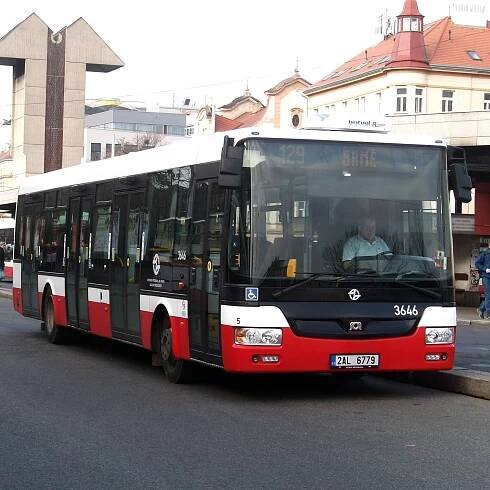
(200, 149)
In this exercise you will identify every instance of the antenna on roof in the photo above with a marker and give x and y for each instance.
(296, 70)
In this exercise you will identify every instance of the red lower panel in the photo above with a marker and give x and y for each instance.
(180, 334)
(60, 316)
(146, 319)
(180, 338)
(17, 300)
(301, 354)
(99, 315)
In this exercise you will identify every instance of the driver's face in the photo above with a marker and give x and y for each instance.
(368, 229)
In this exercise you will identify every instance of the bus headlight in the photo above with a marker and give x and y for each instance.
(258, 336)
(439, 335)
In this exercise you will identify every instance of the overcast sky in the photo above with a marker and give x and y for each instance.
(210, 49)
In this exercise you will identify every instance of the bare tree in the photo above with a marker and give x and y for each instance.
(142, 141)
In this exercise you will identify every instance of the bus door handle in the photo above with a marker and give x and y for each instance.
(128, 262)
(193, 276)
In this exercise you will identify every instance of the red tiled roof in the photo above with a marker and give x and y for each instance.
(224, 124)
(245, 120)
(446, 44)
(249, 120)
(5, 155)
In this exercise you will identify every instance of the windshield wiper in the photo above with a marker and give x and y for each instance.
(400, 280)
(330, 277)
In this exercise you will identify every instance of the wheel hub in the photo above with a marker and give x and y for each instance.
(166, 344)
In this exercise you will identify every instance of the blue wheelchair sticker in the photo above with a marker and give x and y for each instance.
(251, 294)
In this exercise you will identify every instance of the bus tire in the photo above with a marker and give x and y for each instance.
(176, 370)
(54, 334)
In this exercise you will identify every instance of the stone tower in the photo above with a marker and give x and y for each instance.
(49, 91)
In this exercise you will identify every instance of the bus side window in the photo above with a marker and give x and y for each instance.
(102, 222)
(50, 234)
(183, 217)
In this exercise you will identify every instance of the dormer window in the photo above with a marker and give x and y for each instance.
(474, 55)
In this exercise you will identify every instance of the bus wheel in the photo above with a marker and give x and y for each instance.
(176, 370)
(55, 334)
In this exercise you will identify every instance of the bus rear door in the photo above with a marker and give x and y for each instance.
(77, 261)
(127, 221)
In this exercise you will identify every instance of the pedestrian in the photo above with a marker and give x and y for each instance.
(2, 260)
(482, 264)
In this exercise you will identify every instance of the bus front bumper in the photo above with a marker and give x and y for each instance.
(314, 355)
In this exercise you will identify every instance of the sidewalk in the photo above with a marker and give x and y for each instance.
(470, 316)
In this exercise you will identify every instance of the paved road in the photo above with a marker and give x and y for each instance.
(95, 414)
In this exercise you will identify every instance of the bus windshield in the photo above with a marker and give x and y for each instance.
(343, 208)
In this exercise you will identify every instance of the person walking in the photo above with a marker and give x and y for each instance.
(482, 264)
(2, 260)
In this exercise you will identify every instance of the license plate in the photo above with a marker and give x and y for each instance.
(354, 361)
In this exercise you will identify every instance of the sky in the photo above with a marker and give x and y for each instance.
(208, 51)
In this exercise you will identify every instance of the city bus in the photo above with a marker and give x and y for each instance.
(7, 240)
(229, 250)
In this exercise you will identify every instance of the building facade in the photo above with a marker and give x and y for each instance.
(286, 107)
(113, 131)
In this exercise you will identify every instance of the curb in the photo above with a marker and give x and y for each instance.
(480, 323)
(458, 380)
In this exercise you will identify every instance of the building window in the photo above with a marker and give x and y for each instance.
(357, 105)
(419, 94)
(95, 151)
(379, 98)
(344, 105)
(362, 104)
(486, 102)
(401, 99)
(295, 121)
(108, 150)
(447, 100)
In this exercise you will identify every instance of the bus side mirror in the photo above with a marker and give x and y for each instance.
(459, 180)
(230, 167)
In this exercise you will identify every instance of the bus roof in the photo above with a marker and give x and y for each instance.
(192, 151)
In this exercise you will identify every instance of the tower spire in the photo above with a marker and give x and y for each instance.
(409, 46)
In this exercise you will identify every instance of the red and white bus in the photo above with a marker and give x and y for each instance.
(7, 239)
(230, 251)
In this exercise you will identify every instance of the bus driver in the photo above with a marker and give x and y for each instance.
(364, 244)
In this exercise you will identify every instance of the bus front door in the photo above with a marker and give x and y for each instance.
(77, 262)
(127, 214)
(30, 252)
(207, 232)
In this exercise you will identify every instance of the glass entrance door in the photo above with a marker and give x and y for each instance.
(207, 233)
(127, 219)
(77, 261)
